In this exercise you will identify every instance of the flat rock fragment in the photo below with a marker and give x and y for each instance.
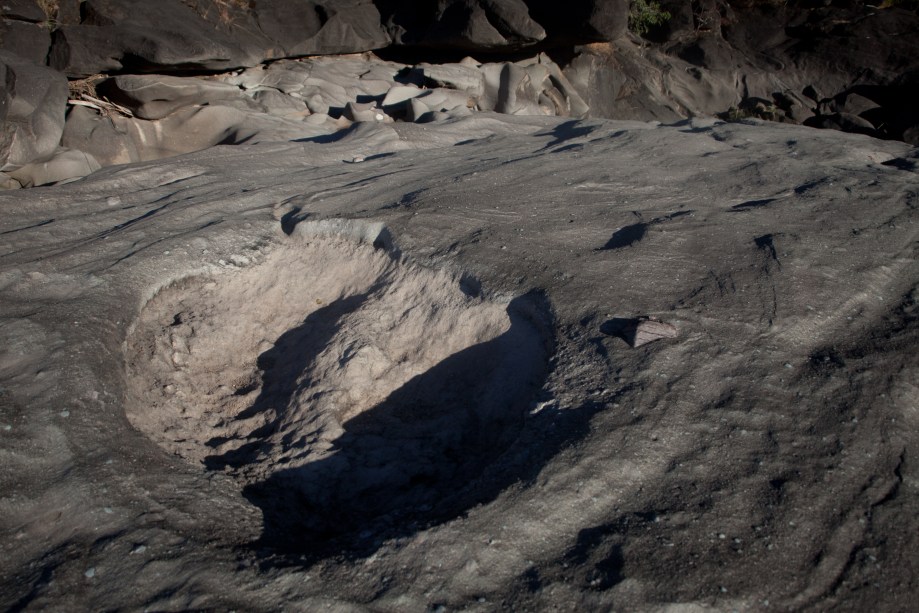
(639, 331)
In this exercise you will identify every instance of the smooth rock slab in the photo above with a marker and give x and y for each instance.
(156, 96)
(32, 102)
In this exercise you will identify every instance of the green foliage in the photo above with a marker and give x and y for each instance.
(645, 14)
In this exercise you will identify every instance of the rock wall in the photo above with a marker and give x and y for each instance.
(151, 79)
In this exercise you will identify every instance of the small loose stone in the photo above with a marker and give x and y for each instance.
(648, 330)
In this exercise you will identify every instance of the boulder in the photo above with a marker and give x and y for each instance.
(416, 110)
(464, 77)
(413, 101)
(708, 51)
(68, 12)
(844, 122)
(577, 22)
(796, 108)
(63, 165)
(911, 135)
(847, 102)
(274, 102)
(324, 85)
(399, 95)
(24, 30)
(811, 92)
(8, 182)
(628, 82)
(131, 35)
(116, 139)
(30, 41)
(848, 42)
(32, 103)
(530, 87)
(317, 28)
(22, 10)
(215, 35)
(156, 96)
(462, 25)
(441, 99)
(365, 111)
(103, 137)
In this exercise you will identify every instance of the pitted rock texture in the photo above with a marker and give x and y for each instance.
(339, 384)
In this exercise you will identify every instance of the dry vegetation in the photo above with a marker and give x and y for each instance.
(225, 10)
(49, 7)
(83, 93)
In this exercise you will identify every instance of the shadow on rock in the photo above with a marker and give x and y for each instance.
(450, 438)
(281, 366)
(566, 131)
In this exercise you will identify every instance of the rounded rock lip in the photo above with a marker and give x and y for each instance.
(347, 390)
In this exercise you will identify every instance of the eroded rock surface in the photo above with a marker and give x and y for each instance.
(382, 369)
(32, 103)
(793, 63)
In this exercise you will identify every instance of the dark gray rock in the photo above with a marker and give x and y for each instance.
(156, 96)
(29, 41)
(63, 165)
(811, 92)
(462, 25)
(797, 109)
(171, 36)
(708, 51)
(503, 25)
(317, 28)
(911, 135)
(99, 136)
(577, 22)
(276, 103)
(844, 122)
(33, 99)
(143, 36)
(25, 10)
(68, 12)
(850, 42)
(529, 87)
(847, 102)
(624, 81)
(465, 77)
(111, 138)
